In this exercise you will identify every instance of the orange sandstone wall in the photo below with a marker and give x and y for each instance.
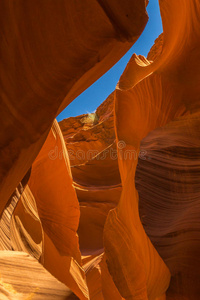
(117, 215)
(51, 51)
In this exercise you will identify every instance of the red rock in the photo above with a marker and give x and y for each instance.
(50, 53)
(148, 96)
(136, 214)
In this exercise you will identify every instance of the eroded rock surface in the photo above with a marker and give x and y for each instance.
(22, 277)
(93, 157)
(150, 95)
(50, 53)
(111, 206)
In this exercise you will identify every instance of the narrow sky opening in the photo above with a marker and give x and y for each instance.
(91, 98)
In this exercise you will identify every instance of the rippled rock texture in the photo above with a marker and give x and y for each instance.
(94, 165)
(51, 51)
(105, 205)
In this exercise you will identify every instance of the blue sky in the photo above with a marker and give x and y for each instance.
(91, 98)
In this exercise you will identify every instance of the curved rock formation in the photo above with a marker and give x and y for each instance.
(25, 227)
(58, 210)
(168, 187)
(34, 281)
(90, 141)
(132, 190)
(5, 221)
(51, 51)
(89, 134)
(45, 220)
(149, 95)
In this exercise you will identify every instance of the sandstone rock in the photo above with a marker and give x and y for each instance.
(88, 135)
(150, 95)
(129, 183)
(93, 158)
(50, 53)
(22, 277)
(58, 210)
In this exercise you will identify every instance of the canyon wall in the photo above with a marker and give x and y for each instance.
(104, 205)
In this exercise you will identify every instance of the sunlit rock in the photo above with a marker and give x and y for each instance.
(107, 202)
(150, 95)
(50, 53)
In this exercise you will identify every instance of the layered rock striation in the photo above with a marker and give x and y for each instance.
(105, 205)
